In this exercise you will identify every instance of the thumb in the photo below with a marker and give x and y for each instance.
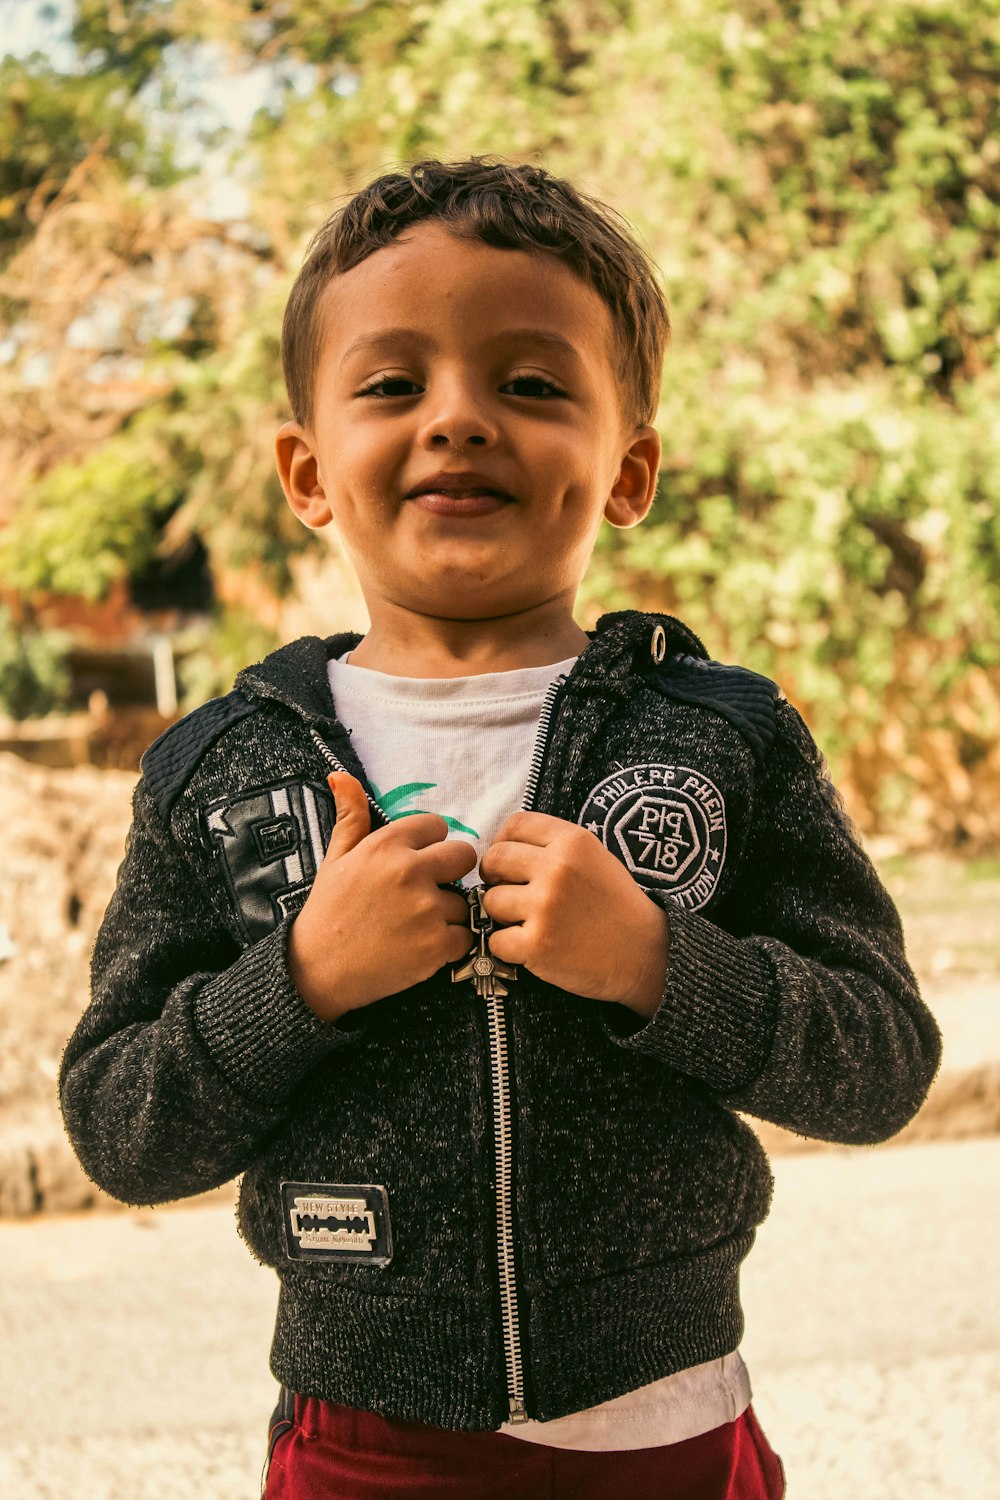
(353, 814)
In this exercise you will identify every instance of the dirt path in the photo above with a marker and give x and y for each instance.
(873, 1330)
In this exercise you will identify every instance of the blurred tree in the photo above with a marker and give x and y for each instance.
(33, 675)
(78, 167)
(820, 183)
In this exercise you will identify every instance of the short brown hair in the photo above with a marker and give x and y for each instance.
(511, 206)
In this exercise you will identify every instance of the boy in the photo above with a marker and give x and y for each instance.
(487, 1118)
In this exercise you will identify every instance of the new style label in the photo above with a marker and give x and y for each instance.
(667, 825)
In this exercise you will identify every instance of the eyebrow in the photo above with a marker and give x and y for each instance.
(387, 336)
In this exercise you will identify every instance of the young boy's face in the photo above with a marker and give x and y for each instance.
(462, 384)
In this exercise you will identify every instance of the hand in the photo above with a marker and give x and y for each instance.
(376, 920)
(574, 915)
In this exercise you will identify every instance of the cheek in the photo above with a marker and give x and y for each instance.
(361, 457)
(363, 491)
(580, 514)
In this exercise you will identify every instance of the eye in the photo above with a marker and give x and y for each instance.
(378, 388)
(553, 390)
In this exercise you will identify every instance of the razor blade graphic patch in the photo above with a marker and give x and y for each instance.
(271, 843)
(337, 1221)
(667, 825)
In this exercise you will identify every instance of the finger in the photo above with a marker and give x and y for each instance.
(417, 831)
(532, 828)
(454, 908)
(509, 945)
(447, 861)
(457, 945)
(507, 903)
(509, 863)
(354, 819)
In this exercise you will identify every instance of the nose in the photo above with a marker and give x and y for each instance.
(457, 416)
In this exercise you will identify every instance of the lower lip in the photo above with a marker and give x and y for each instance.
(459, 505)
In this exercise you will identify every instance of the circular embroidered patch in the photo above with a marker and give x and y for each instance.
(667, 825)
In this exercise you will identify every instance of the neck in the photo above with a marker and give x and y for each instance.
(404, 643)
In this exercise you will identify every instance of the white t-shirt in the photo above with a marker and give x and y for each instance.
(462, 747)
(457, 746)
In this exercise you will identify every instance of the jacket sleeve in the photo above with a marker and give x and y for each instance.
(190, 1050)
(803, 1010)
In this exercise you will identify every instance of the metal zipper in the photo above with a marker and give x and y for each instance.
(496, 1020)
(337, 765)
(541, 741)
(496, 1017)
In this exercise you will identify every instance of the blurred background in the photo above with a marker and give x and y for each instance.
(819, 183)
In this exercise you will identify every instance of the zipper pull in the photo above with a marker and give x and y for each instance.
(481, 967)
(517, 1411)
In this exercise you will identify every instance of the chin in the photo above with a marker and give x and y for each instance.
(455, 582)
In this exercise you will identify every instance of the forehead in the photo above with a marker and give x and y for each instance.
(443, 289)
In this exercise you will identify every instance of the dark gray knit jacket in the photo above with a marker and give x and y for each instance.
(529, 1205)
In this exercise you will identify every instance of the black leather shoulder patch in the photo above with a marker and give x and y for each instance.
(169, 762)
(743, 697)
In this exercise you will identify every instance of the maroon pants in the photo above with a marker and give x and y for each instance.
(331, 1452)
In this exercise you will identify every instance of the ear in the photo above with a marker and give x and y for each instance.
(635, 488)
(298, 470)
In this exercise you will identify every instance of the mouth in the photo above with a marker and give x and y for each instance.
(458, 492)
(470, 503)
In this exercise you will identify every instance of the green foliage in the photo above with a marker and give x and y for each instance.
(127, 39)
(210, 657)
(87, 525)
(33, 675)
(49, 123)
(819, 181)
(217, 431)
(867, 137)
(848, 549)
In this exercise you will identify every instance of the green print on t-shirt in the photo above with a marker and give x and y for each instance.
(389, 803)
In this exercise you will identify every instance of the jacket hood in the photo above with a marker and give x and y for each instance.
(623, 642)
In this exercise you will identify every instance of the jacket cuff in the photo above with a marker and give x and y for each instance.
(717, 1016)
(258, 1028)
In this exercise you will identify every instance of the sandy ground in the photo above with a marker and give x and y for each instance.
(136, 1343)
